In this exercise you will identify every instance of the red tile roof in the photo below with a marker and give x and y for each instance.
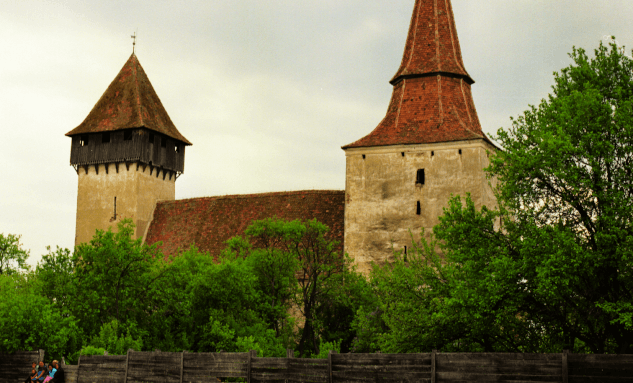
(432, 45)
(129, 102)
(210, 221)
(432, 100)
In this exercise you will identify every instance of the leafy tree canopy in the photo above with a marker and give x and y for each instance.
(12, 255)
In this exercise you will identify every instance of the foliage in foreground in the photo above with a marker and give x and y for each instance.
(115, 293)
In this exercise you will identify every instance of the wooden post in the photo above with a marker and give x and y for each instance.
(127, 363)
(182, 365)
(251, 354)
(289, 354)
(433, 380)
(329, 365)
(565, 371)
(78, 367)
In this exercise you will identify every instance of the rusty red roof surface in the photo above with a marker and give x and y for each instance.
(432, 100)
(129, 102)
(210, 221)
(432, 45)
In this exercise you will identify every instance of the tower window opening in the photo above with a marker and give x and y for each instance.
(402, 154)
(177, 148)
(418, 209)
(460, 152)
(405, 253)
(419, 177)
(363, 156)
(127, 135)
(83, 141)
(105, 137)
(151, 138)
(163, 142)
(114, 207)
(432, 154)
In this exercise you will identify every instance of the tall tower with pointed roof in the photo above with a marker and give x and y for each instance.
(429, 145)
(127, 154)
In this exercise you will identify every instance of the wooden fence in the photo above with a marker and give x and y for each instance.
(432, 367)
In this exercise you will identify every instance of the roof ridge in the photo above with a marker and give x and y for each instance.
(256, 195)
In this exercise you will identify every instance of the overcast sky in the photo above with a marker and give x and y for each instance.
(267, 90)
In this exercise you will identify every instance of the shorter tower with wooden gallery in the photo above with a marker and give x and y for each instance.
(127, 154)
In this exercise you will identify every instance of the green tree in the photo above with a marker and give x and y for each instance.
(29, 321)
(567, 198)
(54, 275)
(113, 340)
(12, 255)
(115, 278)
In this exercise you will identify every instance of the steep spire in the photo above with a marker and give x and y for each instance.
(432, 100)
(129, 102)
(432, 44)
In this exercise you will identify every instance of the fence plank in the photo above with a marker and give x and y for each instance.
(433, 366)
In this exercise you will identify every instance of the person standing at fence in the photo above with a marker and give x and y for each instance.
(59, 375)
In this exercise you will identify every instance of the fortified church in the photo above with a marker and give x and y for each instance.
(128, 155)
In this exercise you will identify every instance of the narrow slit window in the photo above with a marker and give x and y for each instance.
(151, 138)
(105, 137)
(405, 253)
(432, 154)
(363, 156)
(402, 154)
(83, 140)
(177, 148)
(419, 177)
(418, 209)
(460, 152)
(127, 135)
(114, 207)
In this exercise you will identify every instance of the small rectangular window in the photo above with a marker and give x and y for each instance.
(419, 177)
(177, 148)
(127, 135)
(163, 142)
(418, 209)
(151, 138)
(105, 137)
(83, 140)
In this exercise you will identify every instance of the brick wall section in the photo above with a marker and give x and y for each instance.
(208, 222)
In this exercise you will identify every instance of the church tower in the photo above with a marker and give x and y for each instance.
(429, 145)
(127, 154)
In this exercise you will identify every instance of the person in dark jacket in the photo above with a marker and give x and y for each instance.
(59, 375)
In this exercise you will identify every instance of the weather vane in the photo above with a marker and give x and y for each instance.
(134, 41)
